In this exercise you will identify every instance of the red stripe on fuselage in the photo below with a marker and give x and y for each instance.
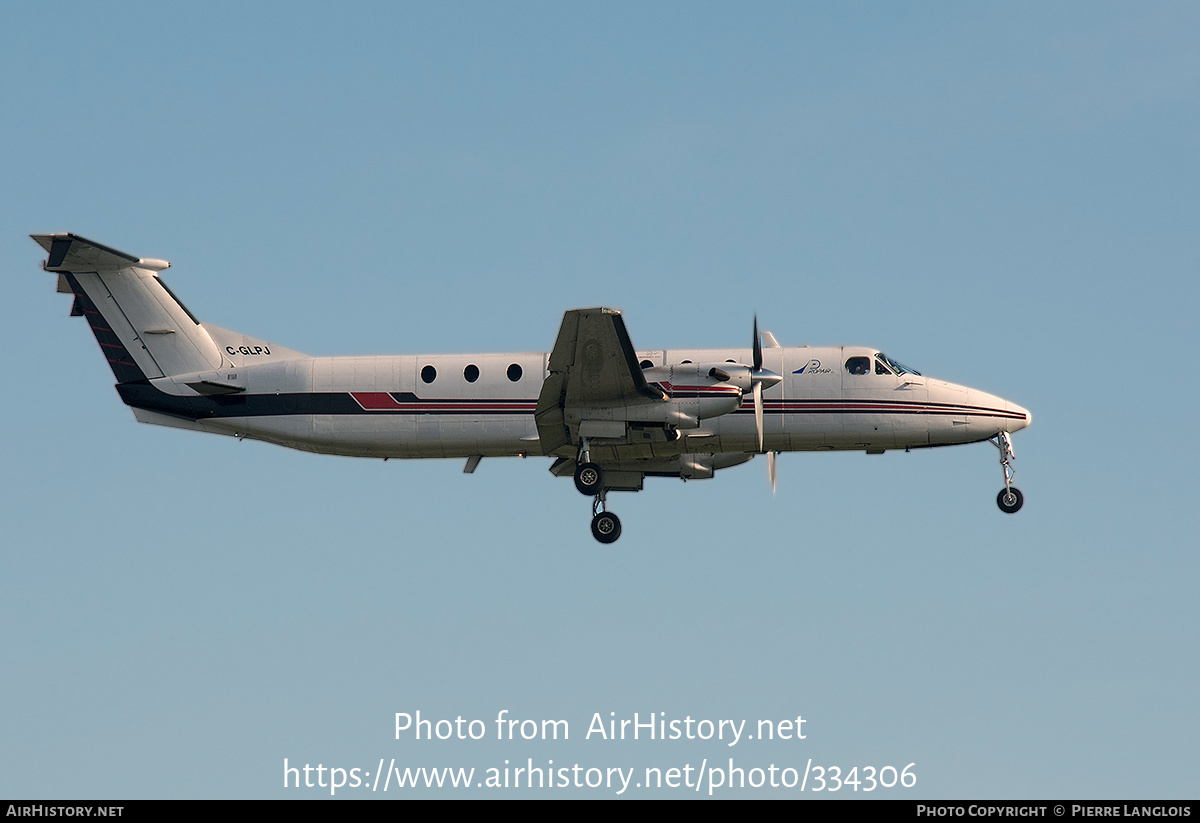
(375, 400)
(384, 401)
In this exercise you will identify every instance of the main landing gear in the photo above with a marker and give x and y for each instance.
(606, 527)
(589, 479)
(1010, 498)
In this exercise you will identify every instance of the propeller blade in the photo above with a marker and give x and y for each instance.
(758, 412)
(771, 469)
(757, 346)
(760, 378)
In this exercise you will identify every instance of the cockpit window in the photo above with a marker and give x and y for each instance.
(898, 368)
(880, 368)
(858, 365)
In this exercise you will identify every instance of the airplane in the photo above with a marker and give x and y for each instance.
(609, 415)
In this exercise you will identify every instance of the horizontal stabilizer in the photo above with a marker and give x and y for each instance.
(72, 253)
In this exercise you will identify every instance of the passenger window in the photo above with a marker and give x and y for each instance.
(858, 365)
(471, 372)
(514, 372)
(429, 374)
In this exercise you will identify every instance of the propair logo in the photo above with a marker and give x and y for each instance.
(813, 367)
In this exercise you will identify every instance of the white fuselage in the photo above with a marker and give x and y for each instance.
(425, 406)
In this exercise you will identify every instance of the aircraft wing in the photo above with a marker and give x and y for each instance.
(592, 366)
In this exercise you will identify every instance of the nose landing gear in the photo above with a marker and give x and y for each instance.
(1010, 498)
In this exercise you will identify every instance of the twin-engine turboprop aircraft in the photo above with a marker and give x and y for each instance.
(609, 415)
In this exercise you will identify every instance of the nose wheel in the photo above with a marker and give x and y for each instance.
(606, 527)
(1010, 498)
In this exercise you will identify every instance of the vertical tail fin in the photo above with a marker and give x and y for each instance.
(142, 328)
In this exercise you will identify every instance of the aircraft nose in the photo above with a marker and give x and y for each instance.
(1019, 423)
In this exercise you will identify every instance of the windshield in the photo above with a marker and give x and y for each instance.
(898, 368)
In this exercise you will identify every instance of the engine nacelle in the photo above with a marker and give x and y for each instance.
(701, 390)
(704, 374)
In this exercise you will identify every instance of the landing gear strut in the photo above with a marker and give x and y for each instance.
(605, 526)
(1010, 498)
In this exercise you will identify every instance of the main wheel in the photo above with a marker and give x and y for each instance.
(1010, 500)
(606, 527)
(588, 478)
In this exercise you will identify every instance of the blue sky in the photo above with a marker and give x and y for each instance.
(1003, 196)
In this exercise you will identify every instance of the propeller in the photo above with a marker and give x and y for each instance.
(761, 379)
(771, 468)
